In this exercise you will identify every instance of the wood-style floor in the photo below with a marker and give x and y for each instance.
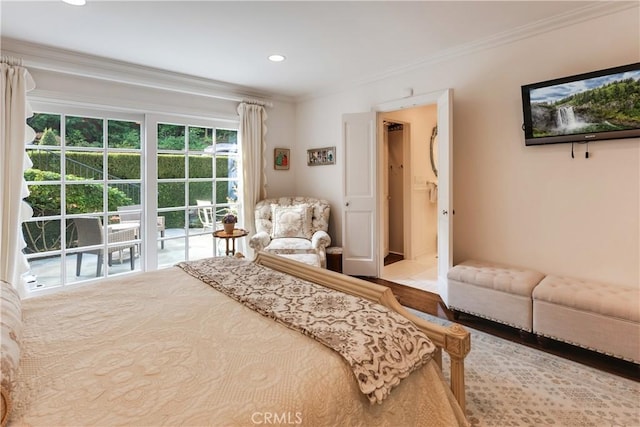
(432, 304)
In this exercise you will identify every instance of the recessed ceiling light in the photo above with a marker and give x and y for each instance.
(76, 2)
(276, 58)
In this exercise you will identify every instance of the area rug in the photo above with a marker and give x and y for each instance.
(508, 384)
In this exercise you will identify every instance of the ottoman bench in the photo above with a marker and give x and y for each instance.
(596, 316)
(493, 291)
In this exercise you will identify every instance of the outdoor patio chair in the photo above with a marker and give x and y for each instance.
(131, 214)
(91, 233)
(206, 215)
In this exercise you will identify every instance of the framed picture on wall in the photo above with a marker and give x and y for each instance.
(281, 158)
(321, 156)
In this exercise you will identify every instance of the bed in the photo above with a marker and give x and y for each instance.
(175, 347)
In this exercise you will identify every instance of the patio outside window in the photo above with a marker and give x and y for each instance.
(92, 203)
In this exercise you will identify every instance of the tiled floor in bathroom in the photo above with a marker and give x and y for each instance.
(421, 273)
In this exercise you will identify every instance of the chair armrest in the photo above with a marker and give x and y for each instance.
(259, 241)
(121, 236)
(320, 240)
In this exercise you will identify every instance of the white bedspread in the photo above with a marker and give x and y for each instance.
(163, 348)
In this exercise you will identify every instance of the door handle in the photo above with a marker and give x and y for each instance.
(444, 212)
(347, 204)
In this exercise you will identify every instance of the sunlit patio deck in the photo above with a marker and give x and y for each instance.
(48, 272)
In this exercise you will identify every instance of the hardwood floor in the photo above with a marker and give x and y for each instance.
(432, 304)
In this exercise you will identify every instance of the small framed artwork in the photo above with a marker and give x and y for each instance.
(321, 156)
(281, 158)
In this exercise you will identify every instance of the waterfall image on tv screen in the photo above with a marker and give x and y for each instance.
(592, 105)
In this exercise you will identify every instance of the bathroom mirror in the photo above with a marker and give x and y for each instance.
(433, 150)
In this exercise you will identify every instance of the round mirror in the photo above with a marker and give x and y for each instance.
(433, 150)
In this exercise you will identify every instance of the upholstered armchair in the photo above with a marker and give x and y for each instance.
(295, 227)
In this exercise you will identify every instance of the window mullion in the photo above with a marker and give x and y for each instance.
(105, 197)
(186, 190)
(63, 197)
(150, 191)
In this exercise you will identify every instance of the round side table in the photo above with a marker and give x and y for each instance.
(237, 232)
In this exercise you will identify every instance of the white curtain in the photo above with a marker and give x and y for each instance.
(14, 135)
(252, 134)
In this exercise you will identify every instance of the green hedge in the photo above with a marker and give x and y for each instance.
(127, 165)
(89, 165)
(85, 198)
(45, 201)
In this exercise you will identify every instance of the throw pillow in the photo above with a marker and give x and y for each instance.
(291, 221)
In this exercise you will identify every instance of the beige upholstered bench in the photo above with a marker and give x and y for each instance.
(596, 316)
(493, 291)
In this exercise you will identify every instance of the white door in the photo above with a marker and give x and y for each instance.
(359, 195)
(445, 199)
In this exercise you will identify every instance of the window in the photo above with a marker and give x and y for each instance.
(92, 200)
(197, 176)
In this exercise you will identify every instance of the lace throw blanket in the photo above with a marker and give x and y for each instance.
(381, 346)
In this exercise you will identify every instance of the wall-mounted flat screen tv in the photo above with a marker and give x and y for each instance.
(592, 106)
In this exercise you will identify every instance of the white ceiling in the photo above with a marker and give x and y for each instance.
(328, 44)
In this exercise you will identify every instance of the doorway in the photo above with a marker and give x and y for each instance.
(410, 198)
(363, 193)
(395, 140)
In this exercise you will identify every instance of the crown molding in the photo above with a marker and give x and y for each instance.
(39, 97)
(49, 58)
(587, 13)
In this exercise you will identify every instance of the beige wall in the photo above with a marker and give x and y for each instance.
(527, 206)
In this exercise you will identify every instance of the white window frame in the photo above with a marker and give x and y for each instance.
(151, 173)
(149, 185)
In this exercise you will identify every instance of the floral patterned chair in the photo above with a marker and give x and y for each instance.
(293, 227)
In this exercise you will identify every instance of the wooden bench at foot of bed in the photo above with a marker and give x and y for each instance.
(454, 339)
